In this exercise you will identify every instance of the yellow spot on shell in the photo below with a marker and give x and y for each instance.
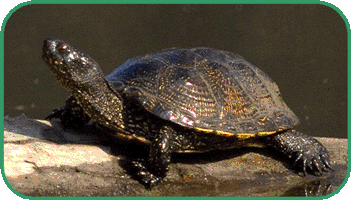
(266, 133)
(204, 130)
(245, 136)
(225, 133)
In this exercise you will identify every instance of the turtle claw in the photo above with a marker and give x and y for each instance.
(327, 166)
(304, 167)
(315, 163)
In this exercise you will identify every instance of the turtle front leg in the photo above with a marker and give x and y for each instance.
(71, 115)
(307, 152)
(151, 172)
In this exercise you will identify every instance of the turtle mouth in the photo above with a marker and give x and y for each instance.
(54, 64)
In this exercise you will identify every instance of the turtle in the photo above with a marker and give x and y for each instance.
(181, 100)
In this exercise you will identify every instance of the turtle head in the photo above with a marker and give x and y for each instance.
(71, 68)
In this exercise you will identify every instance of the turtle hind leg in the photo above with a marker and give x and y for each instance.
(71, 114)
(308, 154)
(152, 170)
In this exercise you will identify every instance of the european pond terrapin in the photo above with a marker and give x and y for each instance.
(181, 100)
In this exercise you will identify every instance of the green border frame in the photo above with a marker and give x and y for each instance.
(158, 2)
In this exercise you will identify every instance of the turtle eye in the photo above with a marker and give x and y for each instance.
(62, 48)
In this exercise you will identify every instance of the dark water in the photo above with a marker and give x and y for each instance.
(302, 47)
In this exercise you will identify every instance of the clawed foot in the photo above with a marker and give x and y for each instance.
(317, 163)
(308, 154)
(71, 115)
(60, 113)
(139, 171)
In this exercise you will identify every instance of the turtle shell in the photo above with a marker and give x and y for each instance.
(207, 90)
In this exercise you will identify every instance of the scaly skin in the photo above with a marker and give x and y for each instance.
(307, 152)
